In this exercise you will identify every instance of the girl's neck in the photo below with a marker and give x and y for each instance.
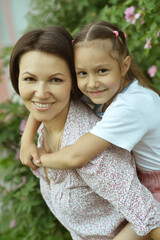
(106, 105)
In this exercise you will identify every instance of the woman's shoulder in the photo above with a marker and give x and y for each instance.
(83, 109)
(82, 115)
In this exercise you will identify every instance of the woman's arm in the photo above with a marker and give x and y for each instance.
(28, 149)
(127, 233)
(75, 155)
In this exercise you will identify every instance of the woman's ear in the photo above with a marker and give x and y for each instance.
(125, 65)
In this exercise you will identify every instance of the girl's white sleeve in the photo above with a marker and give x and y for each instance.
(121, 125)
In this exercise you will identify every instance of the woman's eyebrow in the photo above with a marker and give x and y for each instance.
(29, 74)
(55, 74)
(52, 75)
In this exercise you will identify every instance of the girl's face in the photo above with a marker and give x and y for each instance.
(98, 74)
(45, 85)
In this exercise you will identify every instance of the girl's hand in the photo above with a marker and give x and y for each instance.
(28, 152)
(127, 233)
(155, 234)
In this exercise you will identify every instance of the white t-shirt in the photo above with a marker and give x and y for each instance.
(132, 122)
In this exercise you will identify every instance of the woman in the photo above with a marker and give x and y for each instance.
(93, 201)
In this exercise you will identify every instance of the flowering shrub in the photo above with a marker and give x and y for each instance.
(130, 16)
(23, 214)
(140, 20)
(148, 43)
(152, 71)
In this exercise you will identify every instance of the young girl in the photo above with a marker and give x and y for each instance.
(108, 76)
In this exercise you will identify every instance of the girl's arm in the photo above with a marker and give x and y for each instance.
(127, 233)
(155, 234)
(75, 155)
(28, 149)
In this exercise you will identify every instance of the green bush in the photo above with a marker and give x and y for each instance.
(73, 14)
(24, 215)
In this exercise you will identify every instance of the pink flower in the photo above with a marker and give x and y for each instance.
(152, 71)
(17, 156)
(142, 21)
(22, 182)
(22, 125)
(130, 15)
(148, 43)
(12, 223)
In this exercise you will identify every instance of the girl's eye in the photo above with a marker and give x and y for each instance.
(81, 74)
(101, 71)
(56, 80)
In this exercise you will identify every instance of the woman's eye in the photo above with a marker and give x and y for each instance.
(29, 79)
(56, 80)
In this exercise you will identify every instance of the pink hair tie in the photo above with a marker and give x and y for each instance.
(73, 41)
(125, 35)
(116, 33)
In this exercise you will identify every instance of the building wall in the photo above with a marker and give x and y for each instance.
(12, 25)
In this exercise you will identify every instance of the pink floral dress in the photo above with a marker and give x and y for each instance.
(93, 201)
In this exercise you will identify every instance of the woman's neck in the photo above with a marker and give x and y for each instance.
(53, 131)
(56, 125)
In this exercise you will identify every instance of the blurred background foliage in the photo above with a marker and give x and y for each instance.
(23, 213)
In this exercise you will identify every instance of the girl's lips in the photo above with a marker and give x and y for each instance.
(42, 106)
(97, 93)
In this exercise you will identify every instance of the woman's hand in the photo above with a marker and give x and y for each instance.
(28, 152)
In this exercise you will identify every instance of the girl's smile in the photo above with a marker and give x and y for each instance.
(99, 74)
(97, 93)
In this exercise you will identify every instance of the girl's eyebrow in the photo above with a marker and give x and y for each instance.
(103, 65)
(78, 68)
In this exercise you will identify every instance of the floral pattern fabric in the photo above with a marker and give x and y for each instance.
(93, 201)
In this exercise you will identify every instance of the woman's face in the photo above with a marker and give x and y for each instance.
(44, 85)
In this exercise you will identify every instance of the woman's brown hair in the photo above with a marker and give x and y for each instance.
(52, 40)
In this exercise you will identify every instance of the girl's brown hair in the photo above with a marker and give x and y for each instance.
(105, 30)
(52, 40)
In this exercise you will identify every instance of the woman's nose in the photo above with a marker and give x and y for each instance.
(41, 91)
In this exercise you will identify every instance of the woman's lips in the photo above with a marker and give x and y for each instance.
(42, 106)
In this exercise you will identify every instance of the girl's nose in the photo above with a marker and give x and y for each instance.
(93, 82)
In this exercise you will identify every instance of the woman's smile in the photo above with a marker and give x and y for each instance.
(42, 106)
(45, 85)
